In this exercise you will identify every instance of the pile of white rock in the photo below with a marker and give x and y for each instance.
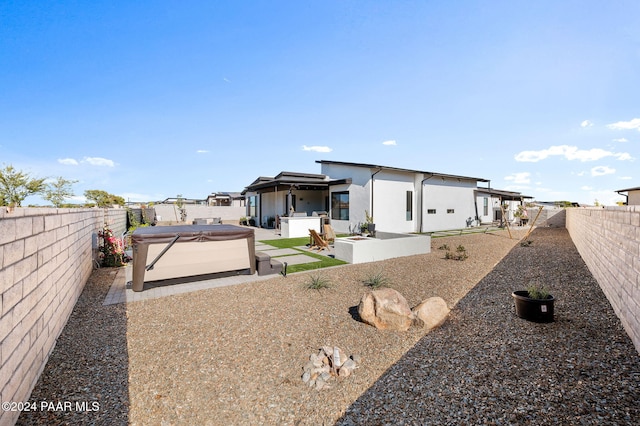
(328, 362)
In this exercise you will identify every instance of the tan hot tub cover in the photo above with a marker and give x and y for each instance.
(198, 249)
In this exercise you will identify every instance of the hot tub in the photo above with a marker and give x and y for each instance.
(164, 252)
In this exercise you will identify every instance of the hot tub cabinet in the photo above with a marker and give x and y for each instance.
(165, 252)
(386, 245)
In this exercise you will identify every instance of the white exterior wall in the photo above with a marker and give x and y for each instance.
(493, 211)
(485, 218)
(442, 194)
(389, 201)
(512, 208)
(359, 200)
(270, 206)
(359, 193)
(390, 187)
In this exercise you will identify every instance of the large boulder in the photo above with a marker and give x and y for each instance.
(432, 312)
(385, 309)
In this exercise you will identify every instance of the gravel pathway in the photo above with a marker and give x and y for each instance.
(486, 366)
(88, 366)
(234, 355)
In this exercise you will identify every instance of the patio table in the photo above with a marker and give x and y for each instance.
(164, 252)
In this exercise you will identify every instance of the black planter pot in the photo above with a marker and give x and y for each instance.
(537, 310)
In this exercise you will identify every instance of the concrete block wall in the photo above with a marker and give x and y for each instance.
(46, 257)
(547, 217)
(608, 239)
(229, 214)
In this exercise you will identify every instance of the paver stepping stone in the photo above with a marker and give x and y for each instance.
(298, 259)
(264, 247)
(281, 252)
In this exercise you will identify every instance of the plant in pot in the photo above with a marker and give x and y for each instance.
(534, 304)
(371, 227)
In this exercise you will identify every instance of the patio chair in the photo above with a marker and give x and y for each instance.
(318, 243)
(329, 234)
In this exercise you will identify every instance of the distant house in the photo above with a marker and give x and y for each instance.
(398, 200)
(234, 199)
(632, 194)
(175, 200)
(491, 203)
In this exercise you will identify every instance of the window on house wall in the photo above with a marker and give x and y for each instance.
(431, 211)
(450, 211)
(485, 207)
(252, 205)
(409, 209)
(340, 205)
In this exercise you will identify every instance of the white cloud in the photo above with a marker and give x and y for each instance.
(389, 143)
(625, 156)
(570, 153)
(602, 171)
(98, 161)
(625, 178)
(523, 177)
(586, 188)
(621, 140)
(68, 161)
(202, 151)
(586, 123)
(625, 125)
(316, 148)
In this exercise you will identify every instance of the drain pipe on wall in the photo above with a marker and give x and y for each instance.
(379, 170)
(422, 199)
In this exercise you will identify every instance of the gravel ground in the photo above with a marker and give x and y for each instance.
(89, 364)
(486, 366)
(234, 355)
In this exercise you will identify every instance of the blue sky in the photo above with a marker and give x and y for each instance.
(148, 100)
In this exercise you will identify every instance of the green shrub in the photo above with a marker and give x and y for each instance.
(460, 254)
(377, 280)
(536, 292)
(317, 282)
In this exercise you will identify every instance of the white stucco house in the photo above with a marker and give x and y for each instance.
(399, 200)
(489, 202)
(632, 194)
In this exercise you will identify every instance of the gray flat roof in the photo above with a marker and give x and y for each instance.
(637, 188)
(398, 169)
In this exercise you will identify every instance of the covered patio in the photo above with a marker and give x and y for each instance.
(288, 194)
